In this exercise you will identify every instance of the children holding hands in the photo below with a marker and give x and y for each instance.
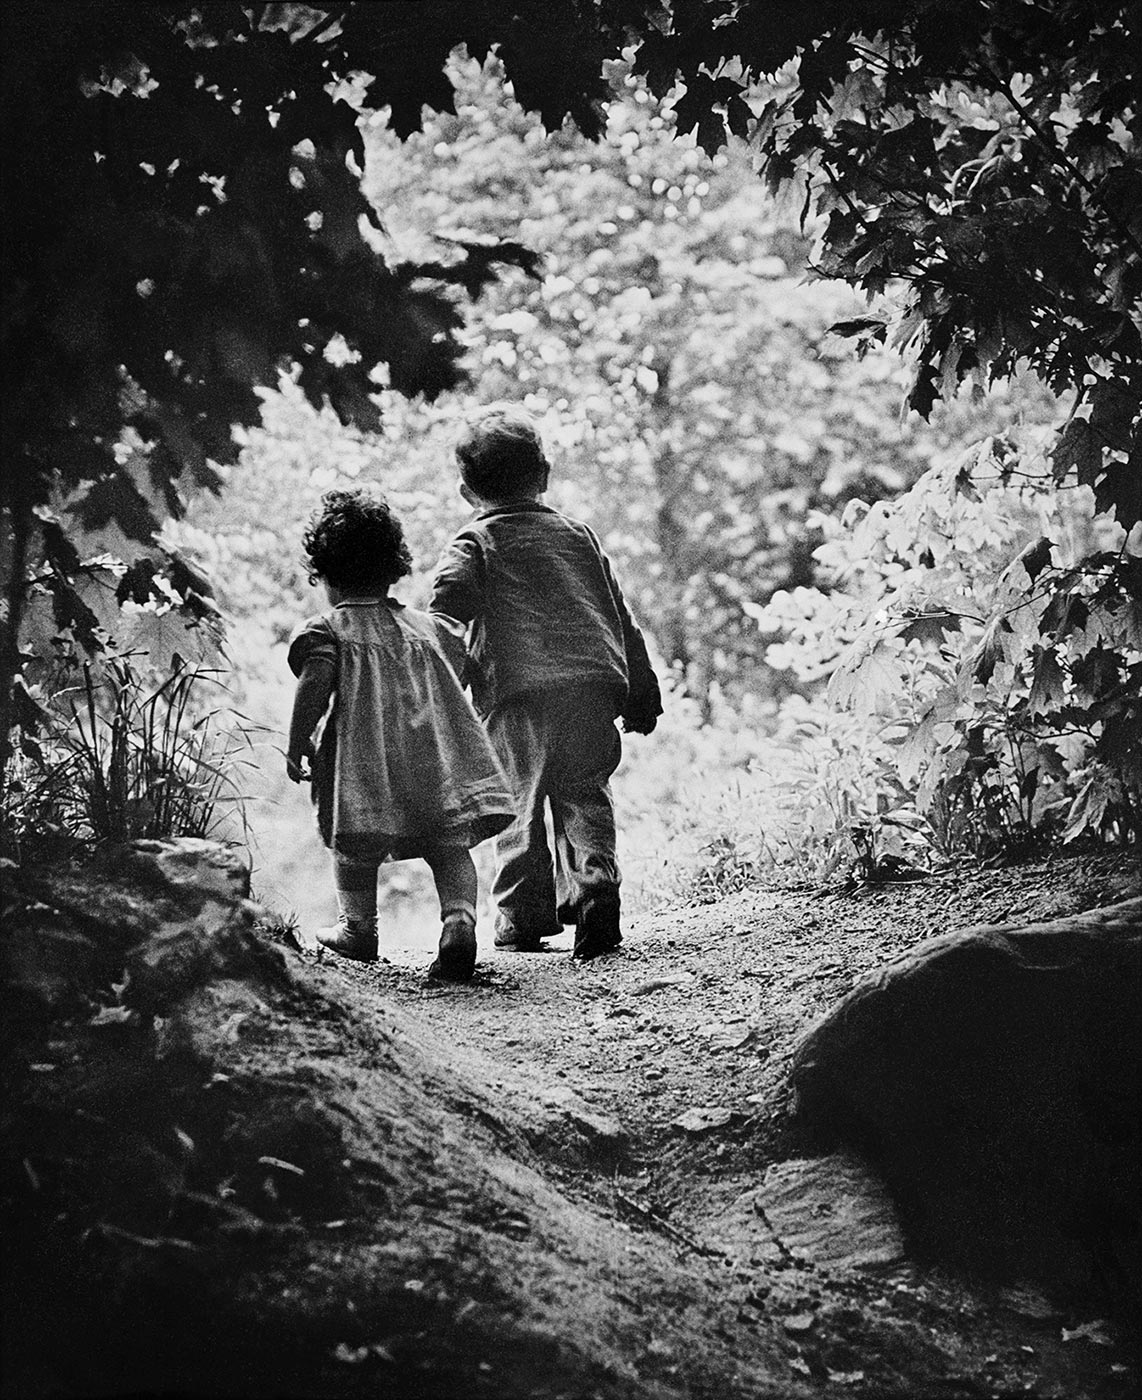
(400, 764)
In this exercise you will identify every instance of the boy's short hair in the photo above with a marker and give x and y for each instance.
(354, 540)
(500, 453)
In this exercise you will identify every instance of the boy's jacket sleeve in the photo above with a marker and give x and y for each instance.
(643, 703)
(644, 696)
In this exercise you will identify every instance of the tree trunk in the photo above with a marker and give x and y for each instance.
(19, 513)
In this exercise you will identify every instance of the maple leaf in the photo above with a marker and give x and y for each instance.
(929, 626)
(1077, 448)
(1036, 557)
(991, 650)
(1048, 681)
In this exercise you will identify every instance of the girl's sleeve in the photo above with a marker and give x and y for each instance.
(312, 641)
(458, 584)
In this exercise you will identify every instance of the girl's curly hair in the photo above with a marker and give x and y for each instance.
(354, 541)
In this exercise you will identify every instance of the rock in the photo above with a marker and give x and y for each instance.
(188, 866)
(603, 1131)
(702, 1120)
(799, 1322)
(993, 1075)
(659, 984)
(832, 1212)
(725, 1036)
(204, 922)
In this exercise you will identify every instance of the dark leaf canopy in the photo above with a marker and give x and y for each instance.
(186, 220)
(188, 215)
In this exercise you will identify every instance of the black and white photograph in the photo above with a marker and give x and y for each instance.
(571, 663)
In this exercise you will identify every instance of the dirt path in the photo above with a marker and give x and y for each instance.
(677, 1048)
(701, 1006)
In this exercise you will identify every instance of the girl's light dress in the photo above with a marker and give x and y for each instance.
(402, 762)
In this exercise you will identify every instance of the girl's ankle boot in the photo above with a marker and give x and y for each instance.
(456, 959)
(351, 940)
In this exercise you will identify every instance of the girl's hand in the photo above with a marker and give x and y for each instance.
(299, 769)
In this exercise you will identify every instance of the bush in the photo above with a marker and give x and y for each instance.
(788, 792)
(988, 627)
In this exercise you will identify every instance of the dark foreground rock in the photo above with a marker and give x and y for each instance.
(229, 1168)
(995, 1077)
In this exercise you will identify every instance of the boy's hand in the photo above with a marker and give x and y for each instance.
(299, 767)
(640, 719)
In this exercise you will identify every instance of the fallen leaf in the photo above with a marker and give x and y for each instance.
(1088, 1331)
(113, 1016)
(845, 1377)
(281, 1165)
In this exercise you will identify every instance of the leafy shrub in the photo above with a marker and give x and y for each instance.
(770, 792)
(990, 626)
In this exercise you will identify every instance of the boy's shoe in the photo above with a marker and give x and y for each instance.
(597, 929)
(356, 941)
(456, 960)
(510, 939)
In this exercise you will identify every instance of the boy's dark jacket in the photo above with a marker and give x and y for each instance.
(545, 611)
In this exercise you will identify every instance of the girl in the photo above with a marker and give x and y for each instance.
(400, 765)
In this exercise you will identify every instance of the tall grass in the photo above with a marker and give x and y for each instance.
(122, 755)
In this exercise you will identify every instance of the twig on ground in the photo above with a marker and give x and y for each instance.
(652, 1217)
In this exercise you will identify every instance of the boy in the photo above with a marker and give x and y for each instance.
(554, 658)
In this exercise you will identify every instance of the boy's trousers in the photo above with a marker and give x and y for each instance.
(558, 747)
